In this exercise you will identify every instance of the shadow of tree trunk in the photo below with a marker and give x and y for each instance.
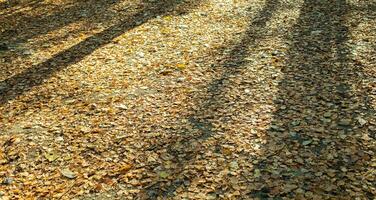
(315, 142)
(18, 84)
(11, 3)
(317, 126)
(29, 26)
(186, 145)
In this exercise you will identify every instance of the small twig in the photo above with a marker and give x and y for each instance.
(69, 189)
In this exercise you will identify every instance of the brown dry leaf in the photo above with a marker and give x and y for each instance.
(124, 169)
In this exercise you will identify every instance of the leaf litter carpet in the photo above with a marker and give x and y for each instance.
(187, 99)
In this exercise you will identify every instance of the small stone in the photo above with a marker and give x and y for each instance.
(247, 91)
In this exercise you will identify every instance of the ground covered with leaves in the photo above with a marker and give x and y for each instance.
(187, 99)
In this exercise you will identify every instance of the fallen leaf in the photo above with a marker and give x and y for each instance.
(51, 156)
(124, 169)
(289, 187)
(163, 174)
(361, 121)
(344, 122)
(234, 165)
(181, 66)
(68, 173)
(307, 142)
(257, 173)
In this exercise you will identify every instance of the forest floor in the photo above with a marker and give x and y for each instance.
(187, 99)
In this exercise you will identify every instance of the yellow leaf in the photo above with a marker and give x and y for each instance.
(181, 66)
(163, 174)
(167, 18)
(50, 156)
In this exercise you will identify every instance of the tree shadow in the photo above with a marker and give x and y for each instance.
(319, 78)
(29, 25)
(317, 143)
(18, 84)
(10, 4)
(185, 145)
(318, 128)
